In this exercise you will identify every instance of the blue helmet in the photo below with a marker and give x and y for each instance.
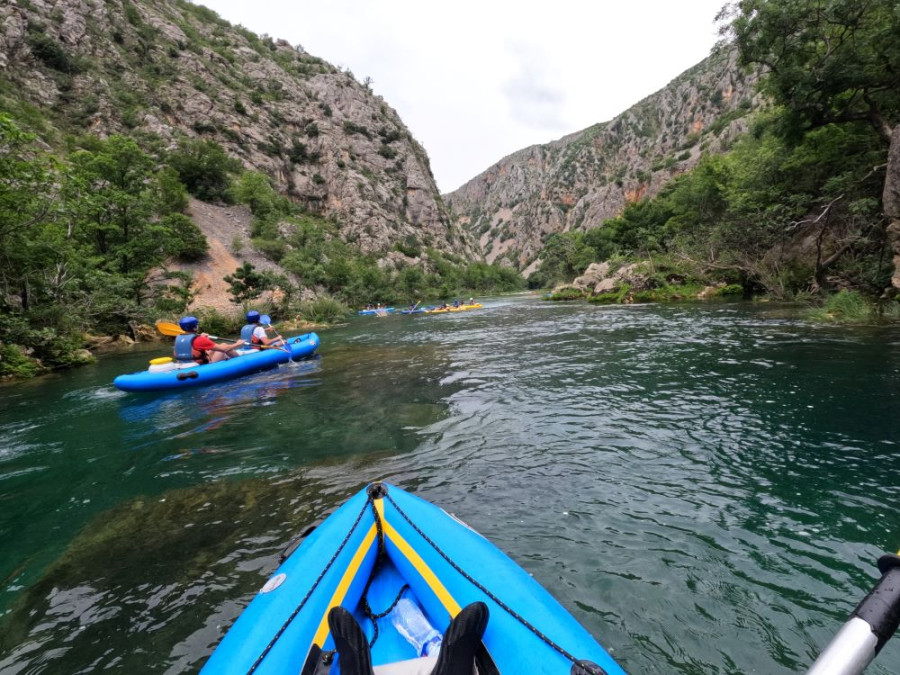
(189, 323)
(252, 316)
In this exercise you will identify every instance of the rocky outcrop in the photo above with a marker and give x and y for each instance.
(176, 69)
(578, 181)
(599, 278)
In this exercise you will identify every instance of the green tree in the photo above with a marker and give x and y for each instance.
(177, 296)
(246, 284)
(835, 62)
(184, 240)
(205, 169)
(113, 206)
(564, 257)
(255, 190)
(28, 207)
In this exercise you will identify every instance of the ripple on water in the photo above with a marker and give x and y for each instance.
(706, 488)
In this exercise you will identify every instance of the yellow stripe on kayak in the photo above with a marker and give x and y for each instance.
(342, 587)
(421, 567)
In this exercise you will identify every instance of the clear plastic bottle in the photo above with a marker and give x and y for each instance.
(413, 625)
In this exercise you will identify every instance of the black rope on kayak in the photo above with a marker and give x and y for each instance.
(481, 588)
(310, 591)
(373, 617)
(379, 559)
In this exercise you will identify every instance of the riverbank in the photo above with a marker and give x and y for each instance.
(644, 282)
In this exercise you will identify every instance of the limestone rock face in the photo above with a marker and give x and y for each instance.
(580, 180)
(176, 69)
(598, 278)
(593, 275)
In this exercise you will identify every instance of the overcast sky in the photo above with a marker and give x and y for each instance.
(475, 80)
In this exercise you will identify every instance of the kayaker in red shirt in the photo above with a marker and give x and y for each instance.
(199, 348)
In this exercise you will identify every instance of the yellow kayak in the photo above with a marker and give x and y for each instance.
(461, 308)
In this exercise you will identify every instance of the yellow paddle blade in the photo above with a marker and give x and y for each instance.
(170, 329)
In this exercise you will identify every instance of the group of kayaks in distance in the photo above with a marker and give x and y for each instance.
(455, 306)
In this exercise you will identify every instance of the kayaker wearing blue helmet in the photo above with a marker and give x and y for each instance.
(254, 333)
(191, 346)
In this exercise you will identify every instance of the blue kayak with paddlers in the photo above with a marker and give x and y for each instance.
(167, 373)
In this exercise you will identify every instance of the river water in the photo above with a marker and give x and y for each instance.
(706, 487)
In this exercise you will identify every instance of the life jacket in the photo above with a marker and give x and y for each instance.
(248, 336)
(184, 349)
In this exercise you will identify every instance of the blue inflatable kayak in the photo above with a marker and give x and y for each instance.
(176, 376)
(384, 550)
(376, 312)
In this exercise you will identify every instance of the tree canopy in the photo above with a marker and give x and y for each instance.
(828, 61)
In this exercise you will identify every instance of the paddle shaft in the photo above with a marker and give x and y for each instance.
(871, 625)
(216, 337)
(266, 322)
(173, 330)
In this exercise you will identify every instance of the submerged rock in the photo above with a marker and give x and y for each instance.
(174, 568)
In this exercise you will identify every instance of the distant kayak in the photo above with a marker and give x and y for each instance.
(461, 308)
(403, 568)
(376, 312)
(172, 375)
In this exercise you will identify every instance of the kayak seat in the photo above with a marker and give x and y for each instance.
(456, 657)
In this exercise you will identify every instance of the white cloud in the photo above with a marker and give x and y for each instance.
(534, 95)
(477, 80)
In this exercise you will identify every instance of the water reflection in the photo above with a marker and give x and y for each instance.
(190, 412)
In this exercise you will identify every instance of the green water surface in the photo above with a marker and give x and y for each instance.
(705, 487)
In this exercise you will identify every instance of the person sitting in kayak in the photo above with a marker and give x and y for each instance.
(199, 348)
(254, 333)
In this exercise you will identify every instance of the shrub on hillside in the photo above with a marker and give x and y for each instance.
(185, 241)
(205, 169)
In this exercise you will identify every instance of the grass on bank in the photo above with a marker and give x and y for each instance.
(852, 307)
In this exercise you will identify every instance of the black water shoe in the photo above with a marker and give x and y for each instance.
(351, 643)
(457, 655)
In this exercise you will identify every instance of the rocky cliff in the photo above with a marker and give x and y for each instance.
(170, 68)
(580, 180)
